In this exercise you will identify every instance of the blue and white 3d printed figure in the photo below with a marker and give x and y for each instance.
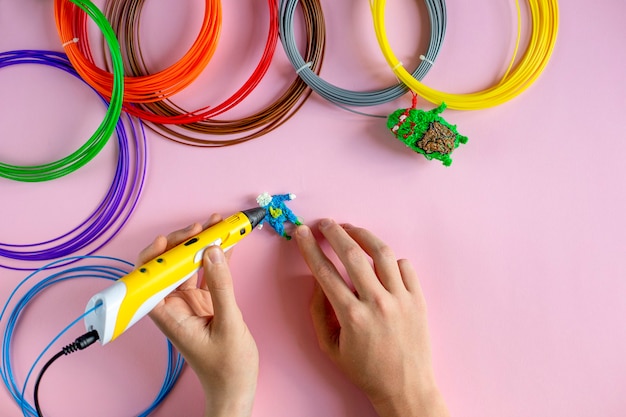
(277, 212)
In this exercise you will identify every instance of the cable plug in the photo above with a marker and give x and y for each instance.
(81, 342)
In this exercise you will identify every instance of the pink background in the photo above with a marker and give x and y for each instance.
(520, 245)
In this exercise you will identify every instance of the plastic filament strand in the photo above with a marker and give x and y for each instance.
(101, 267)
(438, 20)
(234, 131)
(545, 22)
(119, 202)
(80, 157)
(71, 24)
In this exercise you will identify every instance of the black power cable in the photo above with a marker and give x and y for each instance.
(80, 343)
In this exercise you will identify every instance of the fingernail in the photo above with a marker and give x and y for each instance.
(188, 228)
(303, 231)
(216, 254)
(325, 223)
(347, 226)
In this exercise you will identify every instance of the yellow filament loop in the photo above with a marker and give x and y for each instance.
(517, 78)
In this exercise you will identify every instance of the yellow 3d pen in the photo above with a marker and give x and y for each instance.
(133, 296)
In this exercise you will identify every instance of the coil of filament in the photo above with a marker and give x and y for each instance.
(80, 157)
(438, 19)
(194, 127)
(146, 88)
(544, 20)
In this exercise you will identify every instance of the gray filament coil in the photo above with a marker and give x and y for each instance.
(342, 97)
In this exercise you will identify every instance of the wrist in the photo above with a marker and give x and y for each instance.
(228, 407)
(426, 404)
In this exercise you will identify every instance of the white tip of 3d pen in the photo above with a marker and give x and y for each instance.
(104, 317)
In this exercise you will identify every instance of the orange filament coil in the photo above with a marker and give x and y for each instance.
(141, 89)
(125, 17)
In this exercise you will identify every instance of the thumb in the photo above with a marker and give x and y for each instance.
(220, 284)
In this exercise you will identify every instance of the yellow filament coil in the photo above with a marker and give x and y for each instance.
(545, 24)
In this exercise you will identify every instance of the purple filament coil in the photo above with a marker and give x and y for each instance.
(115, 208)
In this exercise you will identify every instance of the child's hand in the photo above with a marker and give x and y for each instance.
(206, 326)
(378, 334)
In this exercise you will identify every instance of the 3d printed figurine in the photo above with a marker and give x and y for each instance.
(277, 212)
(426, 132)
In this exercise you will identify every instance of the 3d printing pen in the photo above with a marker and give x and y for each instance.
(133, 296)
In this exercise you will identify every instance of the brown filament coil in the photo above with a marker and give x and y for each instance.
(125, 21)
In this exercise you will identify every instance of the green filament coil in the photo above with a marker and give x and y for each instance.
(84, 154)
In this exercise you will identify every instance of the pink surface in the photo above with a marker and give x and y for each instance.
(520, 244)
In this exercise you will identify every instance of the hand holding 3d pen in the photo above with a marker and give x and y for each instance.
(206, 326)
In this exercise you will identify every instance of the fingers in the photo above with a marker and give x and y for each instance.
(199, 303)
(356, 248)
(213, 219)
(329, 279)
(176, 238)
(156, 248)
(385, 261)
(162, 244)
(220, 284)
(410, 279)
(179, 236)
(353, 257)
(324, 321)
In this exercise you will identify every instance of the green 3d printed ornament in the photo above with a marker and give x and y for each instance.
(426, 132)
